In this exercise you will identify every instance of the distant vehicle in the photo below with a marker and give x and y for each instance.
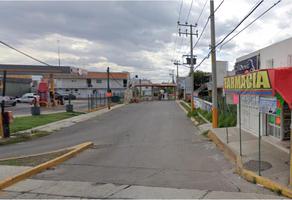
(72, 96)
(27, 98)
(66, 96)
(58, 96)
(8, 101)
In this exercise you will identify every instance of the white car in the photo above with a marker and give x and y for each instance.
(8, 101)
(27, 98)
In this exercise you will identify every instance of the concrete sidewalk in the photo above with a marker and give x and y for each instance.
(41, 189)
(276, 159)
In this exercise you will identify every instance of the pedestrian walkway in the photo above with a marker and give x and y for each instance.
(40, 189)
(275, 160)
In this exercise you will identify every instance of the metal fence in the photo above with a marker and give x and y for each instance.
(202, 104)
(97, 100)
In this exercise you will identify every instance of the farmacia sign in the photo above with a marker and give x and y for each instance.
(257, 82)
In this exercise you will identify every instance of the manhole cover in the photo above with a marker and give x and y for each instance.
(253, 165)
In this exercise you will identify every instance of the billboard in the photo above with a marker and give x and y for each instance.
(247, 65)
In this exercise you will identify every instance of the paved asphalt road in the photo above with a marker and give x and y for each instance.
(149, 144)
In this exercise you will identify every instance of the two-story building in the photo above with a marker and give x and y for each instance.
(91, 83)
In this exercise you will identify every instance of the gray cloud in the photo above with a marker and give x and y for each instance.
(130, 35)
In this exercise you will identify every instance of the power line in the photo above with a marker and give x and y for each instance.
(179, 15)
(205, 58)
(181, 5)
(201, 11)
(187, 19)
(250, 12)
(200, 36)
(206, 24)
(257, 5)
(23, 53)
(219, 6)
(251, 23)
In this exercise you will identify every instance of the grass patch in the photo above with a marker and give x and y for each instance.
(226, 119)
(185, 106)
(23, 137)
(33, 160)
(28, 122)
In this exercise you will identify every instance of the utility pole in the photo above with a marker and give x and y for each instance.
(190, 26)
(214, 71)
(59, 60)
(140, 93)
(172, 76)
(108, 89)
(177, 76)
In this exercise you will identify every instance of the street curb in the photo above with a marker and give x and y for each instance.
(247, 174)
(37, 154)
(37, 169)
(192, 118)
(241, 171)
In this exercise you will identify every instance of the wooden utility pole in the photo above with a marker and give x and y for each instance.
(214, 71)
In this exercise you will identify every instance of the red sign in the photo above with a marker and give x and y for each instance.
(109, 94)
(235, 99)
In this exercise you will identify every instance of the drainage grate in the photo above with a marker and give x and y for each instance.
(253, 165)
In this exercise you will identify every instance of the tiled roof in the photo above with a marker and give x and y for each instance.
(103, 75)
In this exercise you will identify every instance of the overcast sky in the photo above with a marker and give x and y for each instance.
(135, 36)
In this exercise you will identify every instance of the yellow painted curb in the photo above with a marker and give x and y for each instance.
(247, 174)
(37, 154)
(178, 103)
(37, 169)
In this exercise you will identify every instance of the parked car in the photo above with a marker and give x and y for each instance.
(8, 101)
(72, 96)
(27, 98)
(58, 96)
(65, 96)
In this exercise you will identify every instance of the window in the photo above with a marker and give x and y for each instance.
(270, 63)
(289, 60)
(98, 81)
(88, 81)
(125, 82)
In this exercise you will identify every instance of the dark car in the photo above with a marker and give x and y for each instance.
(59, 96)
(72, 96)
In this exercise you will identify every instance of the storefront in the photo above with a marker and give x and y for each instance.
(272, 87)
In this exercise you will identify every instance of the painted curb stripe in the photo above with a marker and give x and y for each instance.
(247, 174)
(37, 169)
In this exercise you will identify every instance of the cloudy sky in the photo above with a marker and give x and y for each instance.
(135, 36)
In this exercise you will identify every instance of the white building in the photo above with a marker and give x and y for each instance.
(92, 82)
(273, 56)
(221, 72)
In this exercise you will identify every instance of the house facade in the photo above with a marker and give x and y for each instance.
(92, 83)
